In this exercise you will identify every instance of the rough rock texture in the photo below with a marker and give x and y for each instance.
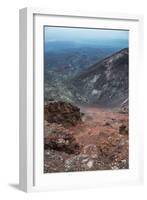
(98, 142)
(62, 113)
(62, 141)
(123, 129)
(124, 108)
(103, 82)
(106, 82)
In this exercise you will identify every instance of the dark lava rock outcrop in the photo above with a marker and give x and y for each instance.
(123, 129)
(62, 113)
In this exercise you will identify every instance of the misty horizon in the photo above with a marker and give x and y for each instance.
(86, 36)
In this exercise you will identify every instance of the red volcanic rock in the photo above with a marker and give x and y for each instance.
(62, 113)
(62, 141)
(100, 142)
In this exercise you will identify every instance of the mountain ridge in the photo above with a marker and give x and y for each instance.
(106, 82)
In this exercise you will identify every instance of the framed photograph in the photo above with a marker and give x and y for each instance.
(79, 103)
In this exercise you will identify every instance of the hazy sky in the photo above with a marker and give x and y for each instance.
(82, 34)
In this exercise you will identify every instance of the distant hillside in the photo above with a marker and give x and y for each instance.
(68, 59)
(106, 82)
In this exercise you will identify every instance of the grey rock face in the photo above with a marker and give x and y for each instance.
(105, 83)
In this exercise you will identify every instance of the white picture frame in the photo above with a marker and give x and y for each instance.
(31, 91)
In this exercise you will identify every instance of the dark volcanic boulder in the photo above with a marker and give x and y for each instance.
(123, 129)
(62, 113)
(62, 141)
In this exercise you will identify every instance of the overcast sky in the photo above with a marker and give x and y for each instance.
(83, 34)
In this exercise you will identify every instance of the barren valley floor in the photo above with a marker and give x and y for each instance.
(99, 141)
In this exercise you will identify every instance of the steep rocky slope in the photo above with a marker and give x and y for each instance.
(105, 83)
